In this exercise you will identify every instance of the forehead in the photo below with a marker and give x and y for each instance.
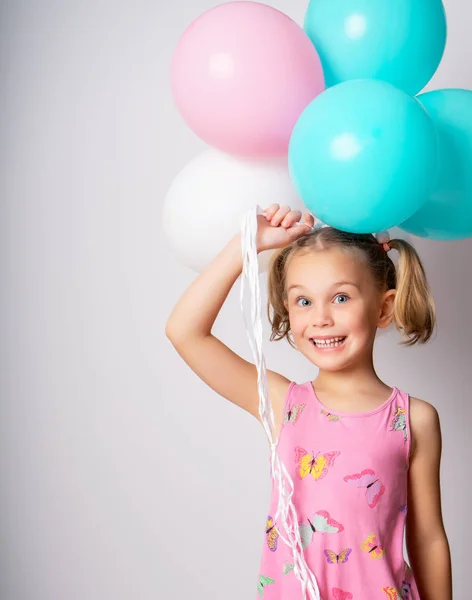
(318, 270)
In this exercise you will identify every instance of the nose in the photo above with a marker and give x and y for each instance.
(321, 316)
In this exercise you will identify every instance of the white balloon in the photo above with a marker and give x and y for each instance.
(208, 198)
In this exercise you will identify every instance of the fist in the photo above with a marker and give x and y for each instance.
(280, 226)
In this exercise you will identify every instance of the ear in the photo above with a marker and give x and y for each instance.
(386, 309)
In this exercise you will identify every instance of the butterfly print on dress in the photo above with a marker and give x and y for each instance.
(293, 413)
(367, 479)
(372, 546)
(338, 594)
(399, 422)
(272, 534)
(317, 465)
(334, 558)
(321, 523)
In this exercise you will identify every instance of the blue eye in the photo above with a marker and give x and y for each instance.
(301, 299)
(338, 296)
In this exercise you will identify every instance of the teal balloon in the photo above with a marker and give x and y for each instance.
(363, 155)
(447, 213)
(398, 41)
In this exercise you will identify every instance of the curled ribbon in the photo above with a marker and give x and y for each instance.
(288, 525)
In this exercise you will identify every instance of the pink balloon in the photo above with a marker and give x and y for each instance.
(241, 75)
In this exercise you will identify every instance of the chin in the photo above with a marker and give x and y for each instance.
(331, 364)
(331, 368)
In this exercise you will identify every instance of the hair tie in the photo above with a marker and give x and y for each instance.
(383, 237)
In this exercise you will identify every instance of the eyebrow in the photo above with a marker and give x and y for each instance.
(337, 283)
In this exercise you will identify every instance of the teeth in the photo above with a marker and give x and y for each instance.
(329, 342)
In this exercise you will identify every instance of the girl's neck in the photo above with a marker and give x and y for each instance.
(348, 383)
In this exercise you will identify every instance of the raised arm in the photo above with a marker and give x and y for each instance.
(190, 324)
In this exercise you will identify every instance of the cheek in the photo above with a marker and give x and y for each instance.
(362, 319)
(355, 319)
(297, 323)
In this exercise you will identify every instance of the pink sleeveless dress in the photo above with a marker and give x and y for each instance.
(350, 476)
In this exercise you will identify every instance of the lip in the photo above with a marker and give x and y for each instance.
(325, 337)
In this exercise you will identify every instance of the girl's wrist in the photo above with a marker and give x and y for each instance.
(238, 241)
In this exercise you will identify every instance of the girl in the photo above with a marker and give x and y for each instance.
(364, 457)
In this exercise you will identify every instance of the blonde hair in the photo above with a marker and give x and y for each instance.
(414, 312)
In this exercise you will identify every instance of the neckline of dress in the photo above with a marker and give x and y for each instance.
(353, 414)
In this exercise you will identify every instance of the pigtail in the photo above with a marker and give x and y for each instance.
(414, 311)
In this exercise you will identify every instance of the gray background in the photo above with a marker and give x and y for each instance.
(122, 475)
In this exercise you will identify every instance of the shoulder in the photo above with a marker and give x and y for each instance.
(424, 424)
(423, 413)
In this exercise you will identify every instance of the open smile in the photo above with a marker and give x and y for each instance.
(335, 343)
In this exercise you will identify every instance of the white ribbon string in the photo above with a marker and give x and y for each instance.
(287, 527)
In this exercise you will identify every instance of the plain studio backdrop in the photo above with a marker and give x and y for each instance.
(122, 475)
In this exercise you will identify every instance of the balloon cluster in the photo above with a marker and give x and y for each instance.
(323, 118)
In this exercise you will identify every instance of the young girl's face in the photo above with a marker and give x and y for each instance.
(335, 296)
